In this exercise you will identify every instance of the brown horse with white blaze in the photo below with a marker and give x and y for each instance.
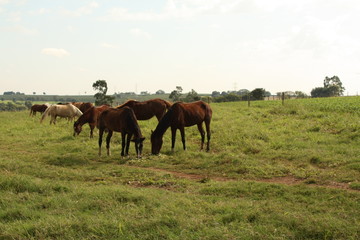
(147, 109)
(121, 120)
(179, 116)
(89, 116)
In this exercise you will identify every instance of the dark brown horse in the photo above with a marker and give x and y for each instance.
(179, 116)
(89, 116)
(37, 108)
(147, 109)
(121, 120)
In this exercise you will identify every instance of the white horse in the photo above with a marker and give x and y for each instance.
(68, 111)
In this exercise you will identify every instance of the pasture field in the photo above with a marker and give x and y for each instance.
(273, 172)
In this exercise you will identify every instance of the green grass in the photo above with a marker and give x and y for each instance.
(273, 172)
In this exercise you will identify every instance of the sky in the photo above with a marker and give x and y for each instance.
(63, 46)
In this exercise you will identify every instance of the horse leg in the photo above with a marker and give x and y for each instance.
(128, 140)
(173, 136)
(208, 134)
(101, 132)
(182, 131)
(92, 126)
(123, 142)
(202, 133)
(108, 138)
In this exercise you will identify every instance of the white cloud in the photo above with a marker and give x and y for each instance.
(85, 10)
(20, 29)
(140, 33)
(56, 52)
(107, 45)
(181, 9)
(40, 11)
(14, 17)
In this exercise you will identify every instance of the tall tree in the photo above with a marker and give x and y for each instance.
(100, 96)
(334, 86)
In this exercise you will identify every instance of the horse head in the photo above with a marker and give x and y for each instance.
(138, 145)
(77, 128)
(156, 143)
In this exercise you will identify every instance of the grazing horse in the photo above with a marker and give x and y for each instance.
(90, 116)
(67, 111)
(147, 109)
(121, 120)
(179, 116)
(37, 108)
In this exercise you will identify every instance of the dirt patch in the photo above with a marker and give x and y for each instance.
(287, 180)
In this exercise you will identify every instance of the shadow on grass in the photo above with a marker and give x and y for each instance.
(67, 161)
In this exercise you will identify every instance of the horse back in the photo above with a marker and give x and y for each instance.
(189, 114)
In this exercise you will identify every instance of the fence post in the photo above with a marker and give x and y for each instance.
(248, 100)
(282, 97)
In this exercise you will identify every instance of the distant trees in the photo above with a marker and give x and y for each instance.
(258, 94)
(101, 97)
(176, 94)
(159, 92)
(332, 88)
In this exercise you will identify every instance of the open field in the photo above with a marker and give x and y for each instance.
(273, 172)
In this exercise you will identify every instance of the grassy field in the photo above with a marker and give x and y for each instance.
(273, 172)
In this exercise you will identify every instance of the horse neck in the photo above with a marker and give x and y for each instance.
(163, 124)
(134, 125)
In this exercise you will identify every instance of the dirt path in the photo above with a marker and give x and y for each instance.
(287, 180)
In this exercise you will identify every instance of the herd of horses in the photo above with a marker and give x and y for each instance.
(124, 119)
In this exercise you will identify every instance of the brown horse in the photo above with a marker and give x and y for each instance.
(179, 116)
(90, 116)
(83, 106)
(121, 120)
(147, 109)
(37, 108)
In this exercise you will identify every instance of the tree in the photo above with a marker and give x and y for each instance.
(215, 94)
(176, 94)
(100, 96)
(258, 93)
(192, 96)
(332, 88)
(159, 92)
(300, 94)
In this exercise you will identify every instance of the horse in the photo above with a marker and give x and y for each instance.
(147, 109)
(83, 106)
(179, 116)
(90, 116)
(67, 111)
(37, 108)
(121, 120)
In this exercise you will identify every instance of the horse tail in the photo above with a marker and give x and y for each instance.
(47, 112)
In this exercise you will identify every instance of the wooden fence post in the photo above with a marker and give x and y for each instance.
(283, 98)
